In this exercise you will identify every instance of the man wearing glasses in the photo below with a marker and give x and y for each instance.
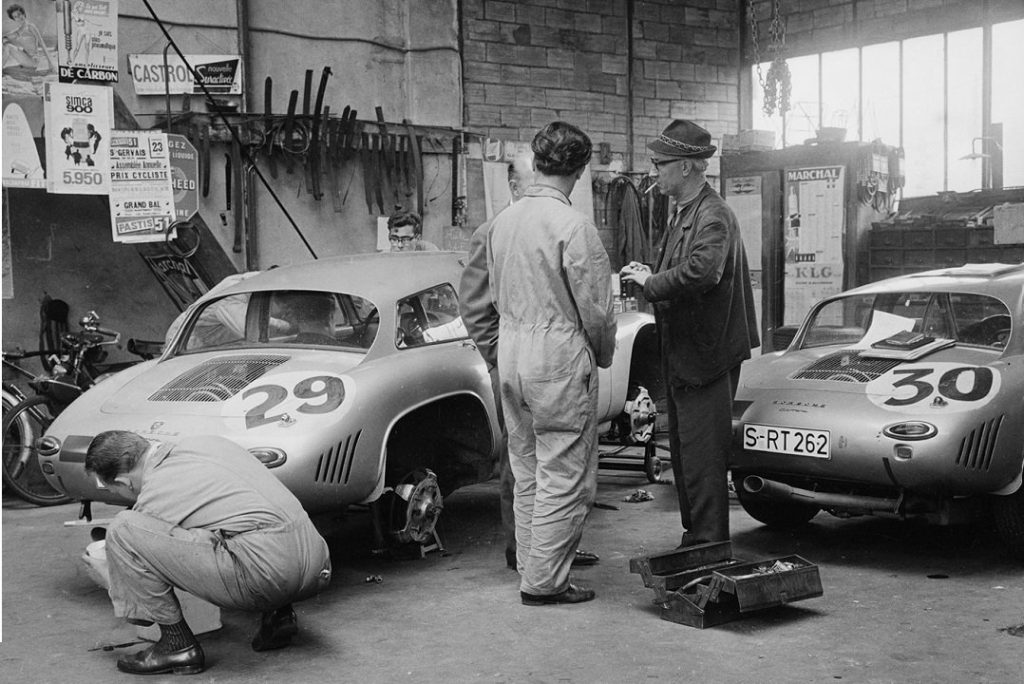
(704, 308)
(405, 232)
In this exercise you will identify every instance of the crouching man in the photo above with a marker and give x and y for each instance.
(211, 520)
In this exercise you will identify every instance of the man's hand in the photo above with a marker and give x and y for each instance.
(636, 272)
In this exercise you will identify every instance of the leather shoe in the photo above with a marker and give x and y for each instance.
(189, 660)
(277, 627)
(572, 594)
(584, 558)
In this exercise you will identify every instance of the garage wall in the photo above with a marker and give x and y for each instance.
(619, 69)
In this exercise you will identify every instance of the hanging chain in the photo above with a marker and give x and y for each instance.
(776, 85)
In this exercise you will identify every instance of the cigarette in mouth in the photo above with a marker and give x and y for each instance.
(652, 186)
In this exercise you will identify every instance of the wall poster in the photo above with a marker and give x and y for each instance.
(814, 219)
(141, 194)
(78, 122)
(87, 45)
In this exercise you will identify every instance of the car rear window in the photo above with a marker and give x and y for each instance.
(967, 318)
(300, 318)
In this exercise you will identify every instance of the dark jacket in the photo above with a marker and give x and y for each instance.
(703, 300)
(476, 305)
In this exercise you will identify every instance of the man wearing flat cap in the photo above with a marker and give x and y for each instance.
(704, 309)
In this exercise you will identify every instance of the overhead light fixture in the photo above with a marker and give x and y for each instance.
(975, 154)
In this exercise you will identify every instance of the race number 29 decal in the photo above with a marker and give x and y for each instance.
(288, 399)
(952, 386)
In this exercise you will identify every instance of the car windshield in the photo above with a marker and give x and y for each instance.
(967, 319)
(283, 318)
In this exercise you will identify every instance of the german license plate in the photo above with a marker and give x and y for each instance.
(786, 440)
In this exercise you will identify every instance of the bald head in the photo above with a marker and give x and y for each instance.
(520, 174)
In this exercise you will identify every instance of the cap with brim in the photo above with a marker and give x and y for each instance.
(682, 138)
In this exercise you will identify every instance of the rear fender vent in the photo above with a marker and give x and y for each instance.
(977, 446)
(335, 464)
(846, 366)
(218, 379)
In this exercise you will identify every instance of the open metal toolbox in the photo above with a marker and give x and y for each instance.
(702, 586)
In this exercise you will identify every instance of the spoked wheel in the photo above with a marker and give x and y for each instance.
(22, 426)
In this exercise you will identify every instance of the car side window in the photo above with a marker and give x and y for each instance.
(429, 317)
(980, 320)
(220, 323)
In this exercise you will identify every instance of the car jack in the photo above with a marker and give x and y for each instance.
(703, 586)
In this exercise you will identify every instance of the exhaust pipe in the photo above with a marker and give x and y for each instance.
(755, 484)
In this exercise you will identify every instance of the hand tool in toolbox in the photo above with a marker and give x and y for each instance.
(703, 586)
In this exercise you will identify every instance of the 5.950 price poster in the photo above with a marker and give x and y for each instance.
(78, 120)
(141, 195)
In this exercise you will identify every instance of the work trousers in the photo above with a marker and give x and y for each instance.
(259, 570)
(506, 480)
(700, 437)
(552, 441)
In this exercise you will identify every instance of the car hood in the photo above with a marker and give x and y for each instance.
(201, 384)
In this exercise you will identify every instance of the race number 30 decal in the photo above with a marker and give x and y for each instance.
(287, 399)
(950, 386)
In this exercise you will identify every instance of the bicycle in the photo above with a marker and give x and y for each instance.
(72, 370)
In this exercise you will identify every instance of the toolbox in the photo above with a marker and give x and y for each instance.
(702, 586)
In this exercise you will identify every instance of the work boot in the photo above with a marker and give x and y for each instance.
(572, 594)
(277, 627)
(177, 651)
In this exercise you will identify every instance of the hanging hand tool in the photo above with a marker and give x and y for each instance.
(227, 182)
(320, 154)
(289, 125)
(417, 162)
(307, 95)
(386, 159)
(376, 160)
(366, 157)
(333, 135)
(271, 132)
(315, 153)
(204, 158)
(238, 174)
(348, 144)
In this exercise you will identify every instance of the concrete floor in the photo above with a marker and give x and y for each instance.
(902, 603)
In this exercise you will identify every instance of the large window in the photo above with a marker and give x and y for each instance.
(925, 94)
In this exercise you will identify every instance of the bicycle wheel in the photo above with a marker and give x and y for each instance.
(23, 424)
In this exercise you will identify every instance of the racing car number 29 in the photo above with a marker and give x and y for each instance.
(785, 440)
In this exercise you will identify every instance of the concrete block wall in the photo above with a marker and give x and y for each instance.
(529, 62)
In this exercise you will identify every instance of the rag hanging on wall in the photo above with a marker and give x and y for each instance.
(776, 84)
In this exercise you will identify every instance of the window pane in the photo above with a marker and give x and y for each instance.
(923, 115)
(760, 120)
(802, 118)
(839, 91)
(964, 108)
(1008, 96)
(881, 86)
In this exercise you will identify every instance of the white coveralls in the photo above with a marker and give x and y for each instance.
(551, 283)
(212, 520)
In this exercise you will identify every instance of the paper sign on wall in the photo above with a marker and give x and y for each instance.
(141, 195)
(78, 122)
